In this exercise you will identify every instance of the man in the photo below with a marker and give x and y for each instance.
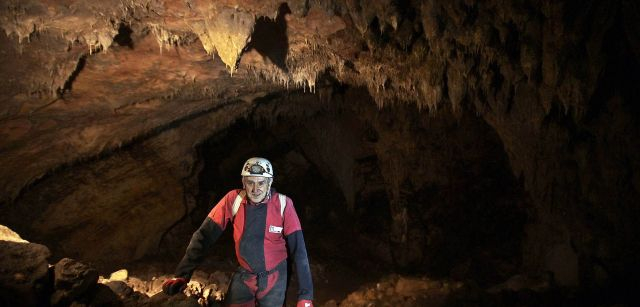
(265, 228)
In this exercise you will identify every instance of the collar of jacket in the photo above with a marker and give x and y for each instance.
(265, 200)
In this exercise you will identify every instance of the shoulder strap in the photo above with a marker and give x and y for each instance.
(237, 201)
(283, 203)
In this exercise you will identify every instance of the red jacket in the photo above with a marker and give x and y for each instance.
(263, 238)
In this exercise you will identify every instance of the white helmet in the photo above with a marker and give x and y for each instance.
(259, 167)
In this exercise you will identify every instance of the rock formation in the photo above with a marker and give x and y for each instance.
(458, 135)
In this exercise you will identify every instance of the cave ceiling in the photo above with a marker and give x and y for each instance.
(81, 78)
(84, 77)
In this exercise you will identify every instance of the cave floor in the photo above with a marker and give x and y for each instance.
(334, 274)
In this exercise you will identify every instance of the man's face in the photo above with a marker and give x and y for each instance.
(256, 187)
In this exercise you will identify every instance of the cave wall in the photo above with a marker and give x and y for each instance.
(556, 80)
(577, 161)
(117, 207)
(546, 76)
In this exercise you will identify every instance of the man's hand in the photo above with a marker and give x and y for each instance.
(174, 285)
(304, 303)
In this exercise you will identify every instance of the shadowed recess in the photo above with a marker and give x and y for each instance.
(269, 38)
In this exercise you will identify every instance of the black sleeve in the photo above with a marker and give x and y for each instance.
(298, 250)
(200, 243)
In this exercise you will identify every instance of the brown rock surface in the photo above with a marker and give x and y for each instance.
(72, 281)
(24, 270)
(105, 107)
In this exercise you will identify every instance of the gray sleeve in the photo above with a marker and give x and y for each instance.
(298, 250)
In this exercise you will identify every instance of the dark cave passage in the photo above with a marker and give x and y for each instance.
(464, 212)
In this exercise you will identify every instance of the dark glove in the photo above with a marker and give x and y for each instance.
(304, 303)
(174, 285)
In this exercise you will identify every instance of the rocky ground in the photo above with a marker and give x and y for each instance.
(27, 279)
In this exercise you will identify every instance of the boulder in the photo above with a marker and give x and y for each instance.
(120, 275)
(73, 280)
(24, 270)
